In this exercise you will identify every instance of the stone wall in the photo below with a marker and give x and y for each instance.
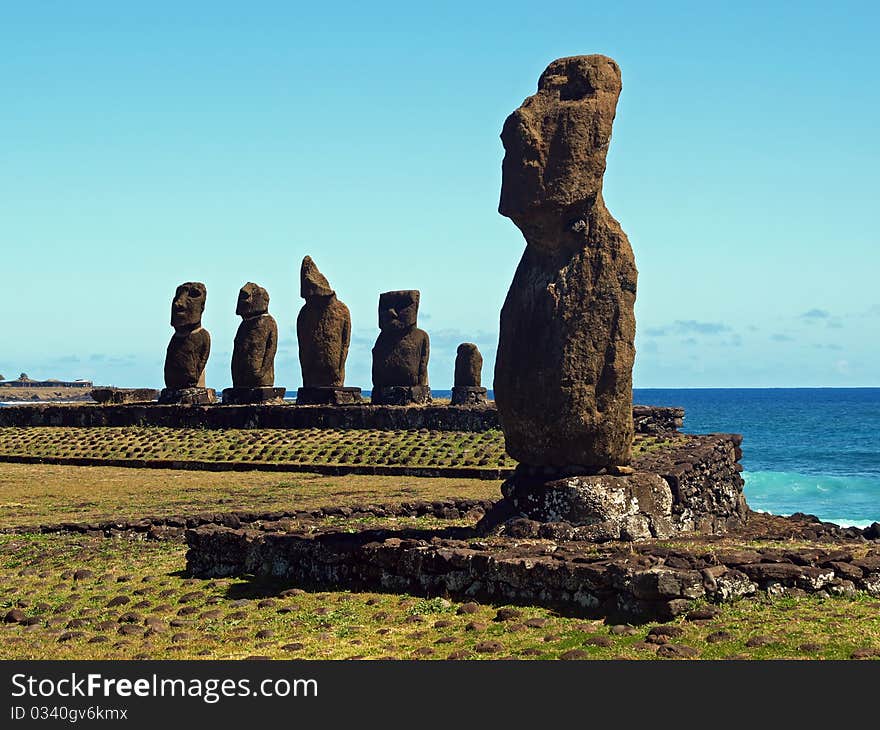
(648, 582)
(706, 482)
(648, 419)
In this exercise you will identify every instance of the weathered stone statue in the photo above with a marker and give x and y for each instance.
(563, 374)
(400, 355)
(189, 348)
(253, 354)
(466, 389)
(323, 329)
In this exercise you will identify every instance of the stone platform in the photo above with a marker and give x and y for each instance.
(330, 396)
(463, 395)
(647, 419)
(246, 396)
(699, 479)
(124, 395)
(401, 395)
(632, 582)
(187, 396)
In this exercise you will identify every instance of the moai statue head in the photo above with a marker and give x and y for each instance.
(253, 300)
(555, 146)
(188, 305)
(398, 310)
(468, 365)
(312, 283)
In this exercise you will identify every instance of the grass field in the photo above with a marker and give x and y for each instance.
(132, 601)
(34, 494)
(315, 446)
(83, 597)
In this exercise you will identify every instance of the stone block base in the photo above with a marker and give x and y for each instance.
(188, 396)
(244, 396)
(328, 396)
(124, 395)
(469, 395)
(401, 395)
(598, 507)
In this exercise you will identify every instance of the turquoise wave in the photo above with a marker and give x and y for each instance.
(845, 500)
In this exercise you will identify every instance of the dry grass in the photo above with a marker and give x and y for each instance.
(37, 494)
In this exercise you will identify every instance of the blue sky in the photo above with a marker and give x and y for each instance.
(221, 142)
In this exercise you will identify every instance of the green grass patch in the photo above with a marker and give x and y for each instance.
(135, 603)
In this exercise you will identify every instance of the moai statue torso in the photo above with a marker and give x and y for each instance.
(253, 355)
(190, 345)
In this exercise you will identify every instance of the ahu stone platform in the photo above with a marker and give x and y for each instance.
(646, 419)
(701, 472)
(633, 582)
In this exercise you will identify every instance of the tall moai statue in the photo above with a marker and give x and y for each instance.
(400, 355)
(563, 373)
(253, 352)
(189, 348)
(323, 331)
(466, 388)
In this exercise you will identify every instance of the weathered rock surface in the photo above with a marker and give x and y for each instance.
(597, 508)
(124, 395)
(469, 395)
(400, 355)
(563, 374)
(253, 354)
(328, 395)
(246, 396)
(187, 396)
(323, 329)
(190, 345)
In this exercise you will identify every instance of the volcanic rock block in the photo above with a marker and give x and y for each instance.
(400, 355)
(592, 507)
(187, 396)
(328, 396)
(323, 330)
(124, 395)
(244, 396)
(189, 347)
(466, 389)
(563, 374)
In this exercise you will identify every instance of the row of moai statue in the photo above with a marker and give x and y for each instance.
(323, 328)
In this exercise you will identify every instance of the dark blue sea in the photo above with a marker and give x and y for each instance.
(813, 450)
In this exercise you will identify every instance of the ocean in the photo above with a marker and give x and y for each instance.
(813, 450)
